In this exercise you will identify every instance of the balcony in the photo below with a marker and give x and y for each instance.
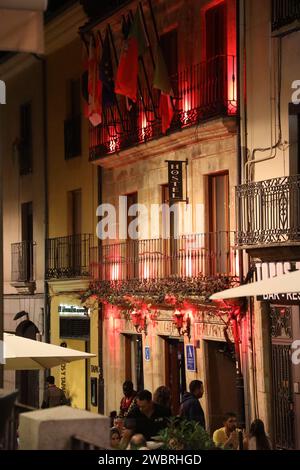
(284, 14)
(68, 257)
(202, 91)
(189, 256)
(269, 215)
(22, 266)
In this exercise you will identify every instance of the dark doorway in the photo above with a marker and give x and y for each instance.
(221, 383)
(175, 371)
(27, 381)
(285, 329)
(134, 369)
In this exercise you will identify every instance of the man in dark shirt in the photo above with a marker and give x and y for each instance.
(190, 408)
(147, 418)
(128, 401)
(53, 396)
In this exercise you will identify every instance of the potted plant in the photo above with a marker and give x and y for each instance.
(184, 435)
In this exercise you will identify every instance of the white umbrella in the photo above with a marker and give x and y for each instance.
(26, 354)
(284, 284)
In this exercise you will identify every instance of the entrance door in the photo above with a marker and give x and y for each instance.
(221, 386)
(285, 328)
(175, 371)
(134, 369)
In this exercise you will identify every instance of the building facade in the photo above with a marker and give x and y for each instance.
(158, 328)
(23, 157)
(268, 204)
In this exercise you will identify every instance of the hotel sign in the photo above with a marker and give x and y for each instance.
(175, 180)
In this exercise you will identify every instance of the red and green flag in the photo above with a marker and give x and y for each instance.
(162, 82)
(134, 47)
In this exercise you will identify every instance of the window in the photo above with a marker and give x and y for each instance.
(72, 125)
(25, 148)
(294, 138)
(169, 48)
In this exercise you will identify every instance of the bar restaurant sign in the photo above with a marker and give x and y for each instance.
(175, 180)
(287, 298)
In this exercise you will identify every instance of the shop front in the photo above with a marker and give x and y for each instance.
(74, 325)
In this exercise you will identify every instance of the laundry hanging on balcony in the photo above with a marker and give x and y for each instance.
(133, 48)
(22, 25)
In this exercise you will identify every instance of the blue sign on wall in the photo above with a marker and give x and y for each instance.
(147, 353)
(190, 358)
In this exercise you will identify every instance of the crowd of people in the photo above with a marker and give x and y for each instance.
(142, 416)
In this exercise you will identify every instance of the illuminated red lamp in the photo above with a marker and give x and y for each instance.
(179, 319)
(139, 321)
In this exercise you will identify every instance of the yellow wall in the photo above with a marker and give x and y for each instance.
(77, 173)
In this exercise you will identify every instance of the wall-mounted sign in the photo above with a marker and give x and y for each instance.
(73, 311)
(190, 357)
(293, 297)
(147, 353)
(175, 181)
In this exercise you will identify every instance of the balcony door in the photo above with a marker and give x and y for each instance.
(169, 230)
(218, 236)
(215, 36)
(26, 252)
(132, 247)
(73, 244)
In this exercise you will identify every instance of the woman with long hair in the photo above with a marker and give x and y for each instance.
(258, 439)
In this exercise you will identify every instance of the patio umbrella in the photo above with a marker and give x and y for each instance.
(26, 354)
(284, 284)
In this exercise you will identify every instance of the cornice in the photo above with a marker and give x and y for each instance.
(67, 286)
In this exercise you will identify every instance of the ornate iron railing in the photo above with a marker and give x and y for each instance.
(269, 211)
(22, 261)
(284, 12)
(187, 256)
(68, 257)
(201, 91)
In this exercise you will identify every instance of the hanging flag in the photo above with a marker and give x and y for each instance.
(162, 82)
(85, 84)
(106, 74)
(133, 48)
(94, 84)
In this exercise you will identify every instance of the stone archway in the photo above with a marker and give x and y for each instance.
(27, 381)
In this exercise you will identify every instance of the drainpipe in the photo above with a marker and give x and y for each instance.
(100, 311)
(46, 325)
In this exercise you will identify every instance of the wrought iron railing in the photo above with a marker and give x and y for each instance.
(269, 211)
(68, 257)
(187, 256)
(201, 91)
(22, 261)
(284, 12)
